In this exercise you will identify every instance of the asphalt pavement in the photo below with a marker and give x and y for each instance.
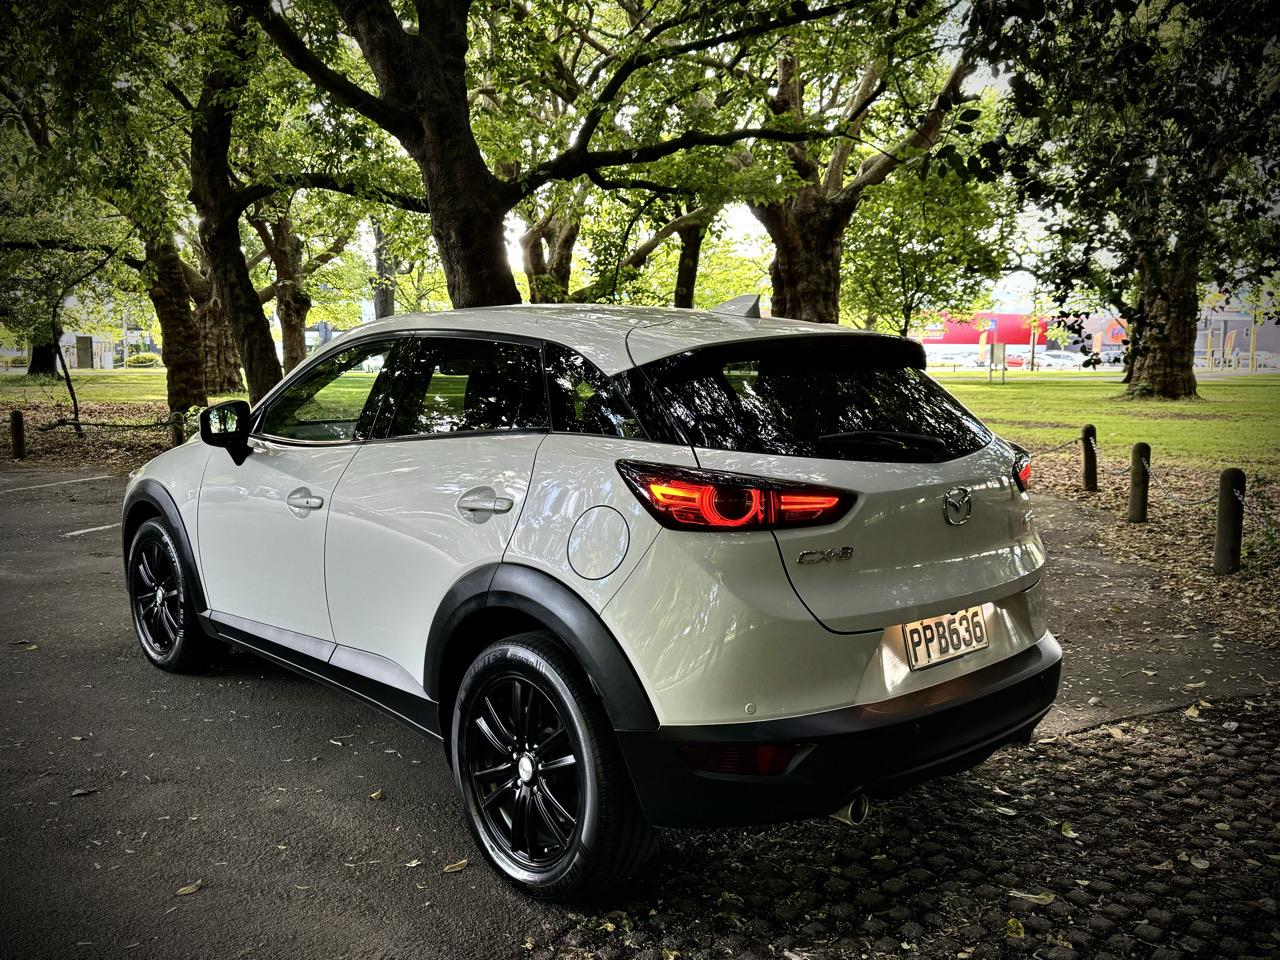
(248, 812)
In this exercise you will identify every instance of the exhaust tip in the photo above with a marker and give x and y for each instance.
(855, 812)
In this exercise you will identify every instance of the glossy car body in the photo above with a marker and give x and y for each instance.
(383, 564)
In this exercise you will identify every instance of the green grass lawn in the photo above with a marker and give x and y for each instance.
(1236, 421)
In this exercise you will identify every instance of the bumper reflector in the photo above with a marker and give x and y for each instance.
(758, 759)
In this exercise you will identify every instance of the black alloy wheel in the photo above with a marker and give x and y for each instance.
(163, 617)
(157, 598)
(522, 768)
(543, 784)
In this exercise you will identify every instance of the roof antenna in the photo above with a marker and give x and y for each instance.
(747, 305)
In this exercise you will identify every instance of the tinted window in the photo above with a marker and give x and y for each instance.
(582, 398)
(455, 384)
(336, 399)
(851, 398)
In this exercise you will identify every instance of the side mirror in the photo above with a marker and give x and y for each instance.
(227, 425)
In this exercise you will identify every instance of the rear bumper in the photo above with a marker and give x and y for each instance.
(879, 749)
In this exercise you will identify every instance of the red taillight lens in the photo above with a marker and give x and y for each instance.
(761, 759)
(1021, 468)
(685, 499)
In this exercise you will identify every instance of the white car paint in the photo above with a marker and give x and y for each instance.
(719, 627)
(398, 540)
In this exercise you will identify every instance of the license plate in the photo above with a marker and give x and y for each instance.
(938, 639)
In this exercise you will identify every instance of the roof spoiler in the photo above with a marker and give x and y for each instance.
(747, 305)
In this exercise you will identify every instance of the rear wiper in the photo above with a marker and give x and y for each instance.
(884, 438)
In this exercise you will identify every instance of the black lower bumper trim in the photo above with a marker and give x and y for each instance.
(878, 749)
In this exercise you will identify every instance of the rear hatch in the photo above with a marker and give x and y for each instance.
(939, 523)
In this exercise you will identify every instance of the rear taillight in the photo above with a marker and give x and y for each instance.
(1021, 467)
(687, 499)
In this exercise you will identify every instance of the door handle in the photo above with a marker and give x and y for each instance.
(482, 502)
(304, 499)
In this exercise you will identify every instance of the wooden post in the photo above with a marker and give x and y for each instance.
(1226, 543)
(18, 434)
(177, 428)
(1088, 440)
(1139, 482)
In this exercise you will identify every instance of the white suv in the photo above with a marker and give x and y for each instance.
(634, 567)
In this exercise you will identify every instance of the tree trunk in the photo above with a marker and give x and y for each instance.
(181, 349)
(219, 207)
(1164, 367)
(807, 237)
(292, 306)
(468, 220)
(384, 281)
(687, 267)
(547, 251)
(43, 361)
(221, 356)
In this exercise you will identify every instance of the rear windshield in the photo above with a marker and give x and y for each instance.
(848, 398)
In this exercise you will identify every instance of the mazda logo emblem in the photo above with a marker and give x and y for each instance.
(957, 505)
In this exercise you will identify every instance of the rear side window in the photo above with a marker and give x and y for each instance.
(847, 398)
(460, 385)
(583, 400)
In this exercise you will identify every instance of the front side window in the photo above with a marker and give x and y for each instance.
(336, 399)
(582, 398)
(836, 397)
(460, 385)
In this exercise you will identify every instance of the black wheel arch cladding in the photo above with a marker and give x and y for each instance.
(149, 498)
(560, 611)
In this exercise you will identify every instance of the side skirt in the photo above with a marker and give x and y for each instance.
(416, 712)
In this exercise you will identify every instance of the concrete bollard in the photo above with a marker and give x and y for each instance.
(18, 434)
(1226, 543)
(1089, 440)
(1139, 482)
(177, 428)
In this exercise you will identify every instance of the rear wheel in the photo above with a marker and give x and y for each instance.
(544, 787)
(163, 616)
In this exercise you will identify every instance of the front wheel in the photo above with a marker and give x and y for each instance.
(543, 784)
(163, 616)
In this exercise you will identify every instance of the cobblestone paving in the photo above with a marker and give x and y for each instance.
(1153, 838)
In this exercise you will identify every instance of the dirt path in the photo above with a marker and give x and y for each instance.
(1128, 646)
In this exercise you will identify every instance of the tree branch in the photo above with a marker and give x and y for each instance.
(925, 135)
(312, 180)
(571, 164)
(72, 246)
(390, 116)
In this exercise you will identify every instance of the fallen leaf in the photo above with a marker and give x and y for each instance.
(1167, 865)
(1192, 711)
(83, 791)
(189, 889)
(32, 646)
(376, 795)
(1231, 726)
(1006, 811)
(414, 863)
(1014, 928)
(77, 738)
(1041, 898)
(1193, 686)
(1116, 733)
(1067, 831)
(455, 867)
(1200, 863)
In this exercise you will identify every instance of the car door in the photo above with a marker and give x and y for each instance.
(262, 522)
(437, 495)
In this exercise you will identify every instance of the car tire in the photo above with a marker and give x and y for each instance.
(543, 784)
(160, 603)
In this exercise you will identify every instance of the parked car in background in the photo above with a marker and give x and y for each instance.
(631, 567)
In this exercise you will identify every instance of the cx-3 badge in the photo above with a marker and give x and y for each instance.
(957, 505)
(825, 556)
